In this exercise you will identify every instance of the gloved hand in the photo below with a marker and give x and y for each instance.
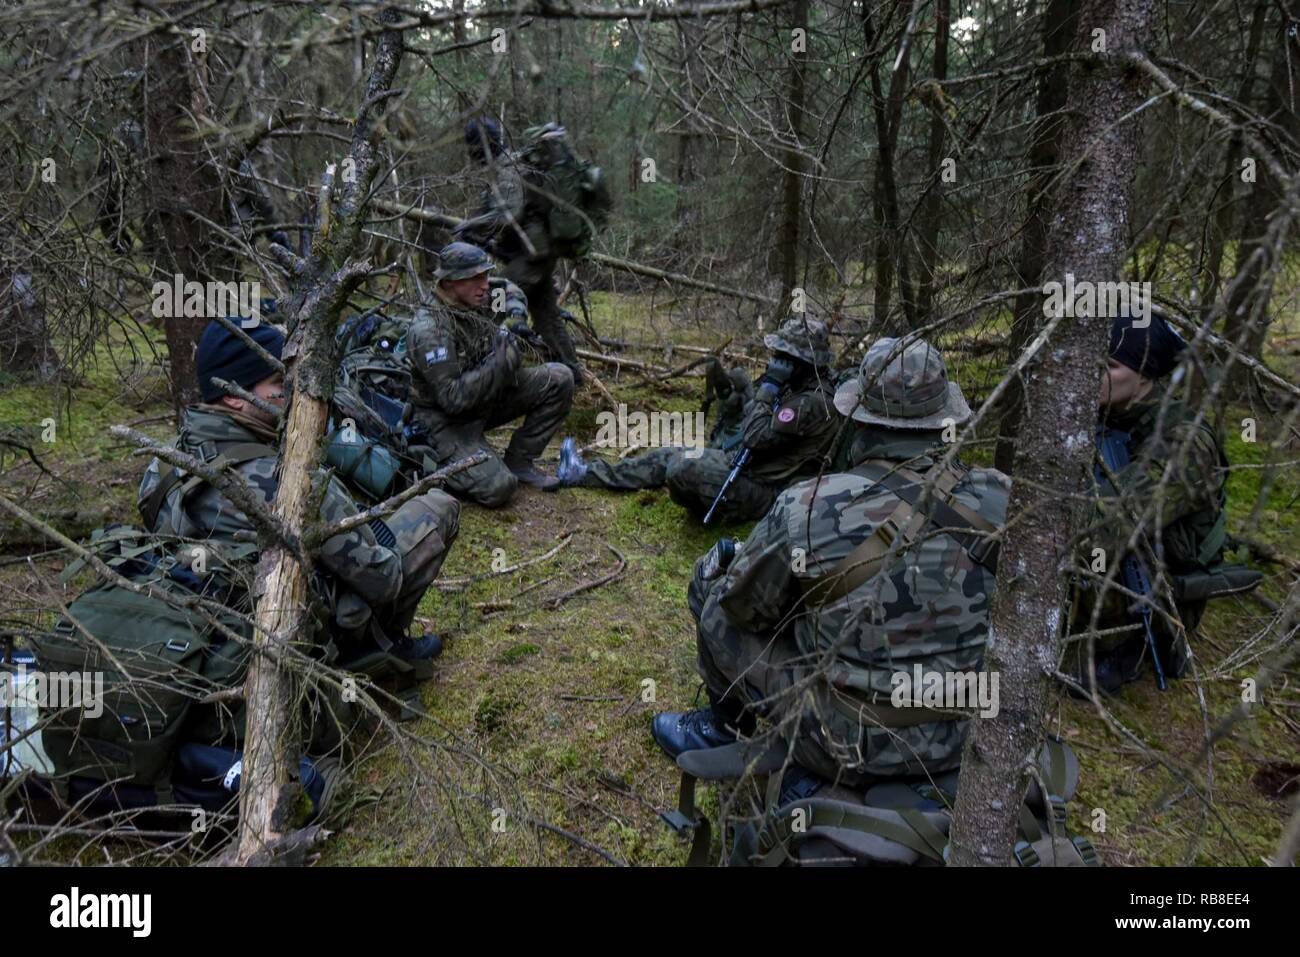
(506, 347)
(520, 327)
(281, 238)
(775, 377)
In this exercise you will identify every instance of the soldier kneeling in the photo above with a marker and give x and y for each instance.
(466, 378)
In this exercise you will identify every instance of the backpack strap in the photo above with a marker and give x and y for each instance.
(219, 455)
(908, 827)
(903, 526)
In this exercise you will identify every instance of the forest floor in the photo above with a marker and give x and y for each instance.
(554, 699)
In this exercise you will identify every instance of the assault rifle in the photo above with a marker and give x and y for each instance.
(1114, 447)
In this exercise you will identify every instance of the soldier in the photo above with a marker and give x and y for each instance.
(788, 426)
(514, 223)
(251, 206)
(849, 581)
(466, 377)
(1143, 419)
(376, 573)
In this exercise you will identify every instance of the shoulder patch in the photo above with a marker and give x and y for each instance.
(435, 355)
(786, 414)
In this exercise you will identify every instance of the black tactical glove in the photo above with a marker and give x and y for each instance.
(775, 377)
(506, 345)
(524, 331)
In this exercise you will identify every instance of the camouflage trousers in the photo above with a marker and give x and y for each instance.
(748, 676)
(536, 278)
(693, 478)
(542, 395)
(421, 532)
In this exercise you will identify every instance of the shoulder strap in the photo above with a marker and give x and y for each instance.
(222, 454)
(906, 520)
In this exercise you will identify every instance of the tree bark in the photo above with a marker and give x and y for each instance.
(184, 189)
(1086, 237)
(931, 212)
(889, 247)
(269, 792)
(1060, 22)
(792, 177)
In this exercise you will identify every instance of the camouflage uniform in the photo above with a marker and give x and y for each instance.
(372, 584)
(766, 646)
(465, 381)
(1190, 504)
(788, 441)
(509, 211)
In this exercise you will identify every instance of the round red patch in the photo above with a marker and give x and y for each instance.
(785, 415)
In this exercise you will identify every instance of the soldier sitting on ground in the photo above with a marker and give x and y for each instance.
(1143, 423)
(467, 376)
(848, 579)
(788, 426)
(375, 574)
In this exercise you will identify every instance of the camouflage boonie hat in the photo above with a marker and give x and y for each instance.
(911, 392)
(461, 261)
(805, 339)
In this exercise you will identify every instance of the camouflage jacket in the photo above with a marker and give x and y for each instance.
(457, 372)
(792, 439)
(507, 209)
(1191, 500)
(929, 607)
(202, 512)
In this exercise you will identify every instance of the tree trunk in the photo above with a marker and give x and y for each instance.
(1060, 23)
(792, 177)
(890, 254)
(1225, 194)
(269, 791)
(184, 189)
(1086, 237)
(1247, 309)
(931, 212)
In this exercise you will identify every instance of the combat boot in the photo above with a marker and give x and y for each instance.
(678, 731)
(527, 473)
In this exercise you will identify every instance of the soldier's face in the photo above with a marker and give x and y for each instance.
(270, 390)
(1121, 386)
(471, 292)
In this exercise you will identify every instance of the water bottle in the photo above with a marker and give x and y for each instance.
(19, 700)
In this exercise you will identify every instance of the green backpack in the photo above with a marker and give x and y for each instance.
(579, 199)
(146, 659)
(153, 663)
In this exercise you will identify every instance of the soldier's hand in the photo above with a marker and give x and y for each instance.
(506, 347)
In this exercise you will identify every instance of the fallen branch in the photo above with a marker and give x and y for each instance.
(460, 584)
(589, 586)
